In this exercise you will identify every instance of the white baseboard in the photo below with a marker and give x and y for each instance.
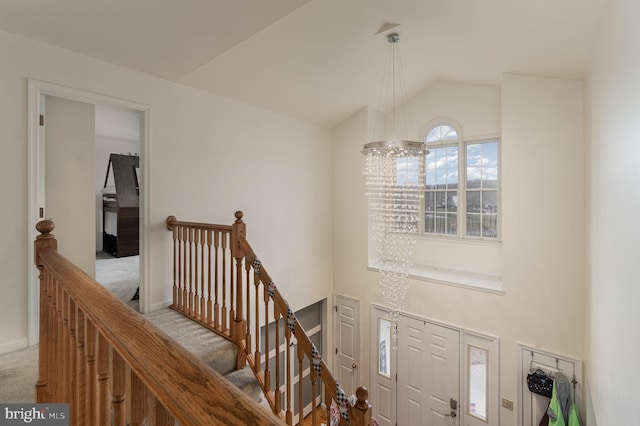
(13, 345)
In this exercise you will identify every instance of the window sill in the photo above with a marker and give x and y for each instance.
(456, 278)
(460, 240)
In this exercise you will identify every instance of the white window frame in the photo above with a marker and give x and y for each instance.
(491, 345)
(461, 143)
(456, 260)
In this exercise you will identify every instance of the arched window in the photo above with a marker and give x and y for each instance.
(441, 132)
(461, 193)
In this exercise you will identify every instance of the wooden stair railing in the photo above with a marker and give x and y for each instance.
(220, 283)
(115, 368)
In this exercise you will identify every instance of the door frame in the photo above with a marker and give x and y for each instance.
(467, 337)
(35, 185)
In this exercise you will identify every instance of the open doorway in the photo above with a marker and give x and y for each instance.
(37, 92)
(117, 196)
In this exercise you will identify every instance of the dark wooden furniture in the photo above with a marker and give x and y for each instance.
(124, 204)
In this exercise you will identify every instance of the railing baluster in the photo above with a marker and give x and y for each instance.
(313, 376)
(119, 373)
(59, 358)
(176, 261)
(278, 392)
(103, 380)
(216, 304)
(66, 380)
(158, 415)
(267, 372)
(209, 318)
(328, 401)
(200, 298)
(191, 278)
(81, 370)
(224, 283)
(52, 357)
(247, 334)
(73, 362)
(92, 374)
(256, 283)
(300, 384)
(288, 383)
(138, 400)
(232, 293)
(183, 269)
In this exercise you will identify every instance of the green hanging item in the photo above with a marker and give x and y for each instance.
(562, 410)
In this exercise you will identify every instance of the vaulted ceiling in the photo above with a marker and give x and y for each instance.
(316, 60)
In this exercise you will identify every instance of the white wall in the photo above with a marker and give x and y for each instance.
(209, 157)
(613, 130)
(543, 175)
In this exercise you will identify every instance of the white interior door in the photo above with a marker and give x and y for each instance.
(428, 380)
(347, 342)
(70, 178)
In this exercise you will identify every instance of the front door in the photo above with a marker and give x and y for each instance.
(428, 373)
(426, 369)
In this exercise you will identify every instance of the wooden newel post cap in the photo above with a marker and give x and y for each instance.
(45, 241)
(239, 216)
(44, 227)
(170, 221)
(362, 395)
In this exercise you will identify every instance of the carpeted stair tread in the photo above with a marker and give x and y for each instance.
(245, 380)
(216, 351)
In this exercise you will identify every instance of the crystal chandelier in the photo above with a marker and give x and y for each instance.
(394, 179)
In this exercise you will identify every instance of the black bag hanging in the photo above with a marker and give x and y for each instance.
(539, 382)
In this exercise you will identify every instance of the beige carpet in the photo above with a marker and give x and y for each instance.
(18, 375)
(120, 276)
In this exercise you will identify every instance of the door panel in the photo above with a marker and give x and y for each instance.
(347, 340)
(444, 367)
(385, 402)
(428, 373)
(70, 178)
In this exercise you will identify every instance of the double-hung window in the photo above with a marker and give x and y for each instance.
(462, 185)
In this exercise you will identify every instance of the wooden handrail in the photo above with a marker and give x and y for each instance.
(90, 342)
(247, 302)
(282, 309)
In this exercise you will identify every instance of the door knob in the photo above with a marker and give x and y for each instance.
(453, 414)
(353, 365)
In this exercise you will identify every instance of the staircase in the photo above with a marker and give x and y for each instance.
(216, 351)
(113, 365)
(219, 282)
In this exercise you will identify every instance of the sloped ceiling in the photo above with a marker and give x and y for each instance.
(316, 60)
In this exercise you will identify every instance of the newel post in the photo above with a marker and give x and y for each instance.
(239, 330)
(44, 242)
(360, 413)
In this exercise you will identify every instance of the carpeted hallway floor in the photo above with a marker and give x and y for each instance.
(18, 375)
